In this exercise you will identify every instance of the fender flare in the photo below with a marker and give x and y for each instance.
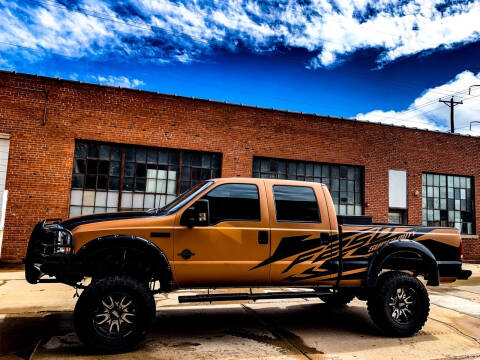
(397, 246)
(163, 268)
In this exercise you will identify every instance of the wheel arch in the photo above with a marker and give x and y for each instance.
(159, 261)
(416, 257)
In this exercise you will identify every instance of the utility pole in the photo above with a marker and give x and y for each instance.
(452, 105)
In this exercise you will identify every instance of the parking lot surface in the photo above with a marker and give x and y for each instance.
(36, 323)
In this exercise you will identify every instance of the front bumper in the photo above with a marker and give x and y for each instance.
(46, 256)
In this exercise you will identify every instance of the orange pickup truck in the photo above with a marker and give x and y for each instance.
(244, 233)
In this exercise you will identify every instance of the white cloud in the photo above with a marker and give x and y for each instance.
(167, 30)
(426, 112)
(121, 81)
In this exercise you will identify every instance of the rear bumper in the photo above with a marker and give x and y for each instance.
(49, 256)
(464, 274)
(453, 269)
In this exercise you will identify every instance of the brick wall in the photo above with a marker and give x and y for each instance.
(41, 156)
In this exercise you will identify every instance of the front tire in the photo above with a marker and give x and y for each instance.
(114, 314)
(399, 305)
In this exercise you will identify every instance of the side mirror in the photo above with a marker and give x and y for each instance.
(197, 214)
(188, 217)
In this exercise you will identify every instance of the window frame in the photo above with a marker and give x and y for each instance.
(403, 214)
(123, 148)
(235, 220)
(472, 197)
(294, 221)
(330, 177)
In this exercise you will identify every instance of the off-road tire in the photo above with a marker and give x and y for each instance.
(385, 299)
(107, 299)
(340, 298)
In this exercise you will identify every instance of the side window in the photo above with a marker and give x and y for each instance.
(296, 204)
(238, 202)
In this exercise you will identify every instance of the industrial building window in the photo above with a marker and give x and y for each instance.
(447, 200)
(113, 177)
(345, 182)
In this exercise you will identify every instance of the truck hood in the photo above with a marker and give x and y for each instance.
(88, 219)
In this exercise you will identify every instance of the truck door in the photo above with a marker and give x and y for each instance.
(300, 235)
(235, 240)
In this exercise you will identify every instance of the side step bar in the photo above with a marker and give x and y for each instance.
(252, 296)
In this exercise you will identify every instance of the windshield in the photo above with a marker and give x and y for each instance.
(184, 198)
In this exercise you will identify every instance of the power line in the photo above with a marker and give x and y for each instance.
(426, 112)
(103, 16)
(145, 26)
(416, 108)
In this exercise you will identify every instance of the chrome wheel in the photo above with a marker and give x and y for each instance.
(402, 305)
(115, 316)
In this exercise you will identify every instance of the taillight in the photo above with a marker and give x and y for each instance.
(461, 248)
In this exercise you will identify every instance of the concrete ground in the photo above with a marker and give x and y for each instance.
(36, 323)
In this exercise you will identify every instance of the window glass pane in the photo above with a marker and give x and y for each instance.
(76, 197)
(325, 171)
(443, 180)
(140, 155)
(77, 181)
(456, 182)
(397, 217)
(234, 202)
(309, 169)
(116, 153)
(88, 198)
(443, 192)
(335, 185)
(79, 166)
(429, 179)
(80, 150)
(101, 198)
(75, 211)
(296, 203)
(103, 167)
(292, 170)
(128, 184)
(90, 182)
(104, 152)
(335, 172)
(102, 182)
(92, 151)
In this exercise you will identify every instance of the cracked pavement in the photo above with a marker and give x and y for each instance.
(36, 323)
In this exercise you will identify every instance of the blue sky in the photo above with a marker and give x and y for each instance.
(385, 61)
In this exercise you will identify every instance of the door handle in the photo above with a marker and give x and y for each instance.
(263, 237)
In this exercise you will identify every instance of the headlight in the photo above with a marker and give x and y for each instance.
(63, 243)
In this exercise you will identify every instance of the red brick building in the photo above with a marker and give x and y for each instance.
(78, 148)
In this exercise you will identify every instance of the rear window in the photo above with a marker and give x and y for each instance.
(296, 204)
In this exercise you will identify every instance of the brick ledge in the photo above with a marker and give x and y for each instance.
(469, 237)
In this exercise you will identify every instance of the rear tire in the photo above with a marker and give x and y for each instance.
(114, 314)
(399, 305)
(340, 298)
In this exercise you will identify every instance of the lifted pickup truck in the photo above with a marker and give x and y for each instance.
(235, 232)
